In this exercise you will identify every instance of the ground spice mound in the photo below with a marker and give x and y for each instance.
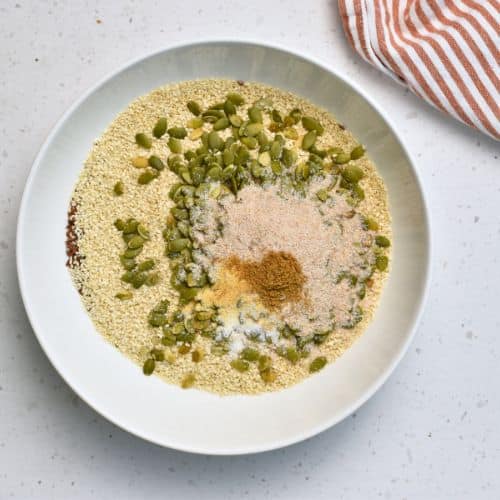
(277, 278)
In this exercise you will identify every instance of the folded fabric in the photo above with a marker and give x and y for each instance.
(445, 51)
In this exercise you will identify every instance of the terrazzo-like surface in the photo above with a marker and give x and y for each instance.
(433, 430)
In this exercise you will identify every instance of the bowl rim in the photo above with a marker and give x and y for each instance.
(376, 383)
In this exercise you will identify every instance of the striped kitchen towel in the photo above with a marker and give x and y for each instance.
(445, 51)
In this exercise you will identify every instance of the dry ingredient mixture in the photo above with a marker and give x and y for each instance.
(228, 236)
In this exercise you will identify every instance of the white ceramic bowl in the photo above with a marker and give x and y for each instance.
(192, 420)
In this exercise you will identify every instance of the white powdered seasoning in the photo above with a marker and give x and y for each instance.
(327, 238)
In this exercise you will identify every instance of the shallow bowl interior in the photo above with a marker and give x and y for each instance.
(194, 420)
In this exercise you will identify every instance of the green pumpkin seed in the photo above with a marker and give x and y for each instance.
(218, 106)
(219, 349)
(302, 171)
(130, 226)
(184, 348)
(382, 241)
(215, 173)
(157, 319)
(185, 175)
(215, 142)
(168, 338)
(265, 159)
(228, 172)
(370, 224)
(130, 253)
(175, 145)
(323, 195)
(119, 224)
(381, 262)
(156, 163)
(334, 151)
(160, 128)
(221, 124)
(127, 237)
(341, 158)
(162, 307)
(198, 175)
(178, 244)
(276, 150)
(195, 123)
(357, 192)
(143, 141)
(229, 108)
(240, 365)
(276, 116)
(256, 170)
(203, 315)
(276, 167)
(265, 362)
(252, 129)
(289, 157)
(138, 280)
(124, 295)
(149, 366)
(357, 152)
(135, 242)
(255, 115)
(295, 115)
(291, 133)
(228, 157)
(177, 132)
(309, 139)
(250, 354)
(249, 142)
(352, 173)
(140, 162)
(188, 380)
(317, 364)
(179, 213)
(310, 124)
(127, 277)
(318, 152)
(212, 115)
(262, 139)
(147, 176)
(197, 355)
(146, 265)
(153, 279)
(236, 121)
(196, 134)
(292, 355)
(269, 375)
(187, 294)
(158, 354)
(235, 98)
(194, 107)
(127, 264)
(142, 231)
(119, 188)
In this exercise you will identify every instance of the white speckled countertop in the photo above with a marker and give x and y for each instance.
(432, 432)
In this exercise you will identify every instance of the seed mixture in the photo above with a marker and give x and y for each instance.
(228, 236)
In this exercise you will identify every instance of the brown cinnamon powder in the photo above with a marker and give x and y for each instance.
(277, 278)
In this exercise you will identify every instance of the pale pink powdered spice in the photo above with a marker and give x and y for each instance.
(325, 238)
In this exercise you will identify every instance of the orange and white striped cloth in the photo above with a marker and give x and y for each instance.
(445, 51)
